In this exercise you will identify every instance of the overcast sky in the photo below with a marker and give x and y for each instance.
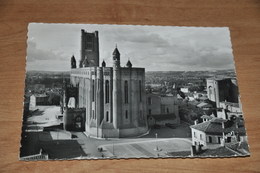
(156, 48)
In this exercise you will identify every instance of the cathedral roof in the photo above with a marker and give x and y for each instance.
(73, 58)
(129, 64)
(103, 64)
(116, 52)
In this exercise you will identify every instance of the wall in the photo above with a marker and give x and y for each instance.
(198, 137)
(70, 116)
(92, 83)
(155, 105)
(215, 139)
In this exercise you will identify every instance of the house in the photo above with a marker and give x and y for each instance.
(204, 106)
(200, 96)
(38, 99)
(162, 109)
(215, 130)
(185, 90)
(231, 107)
(206, 118)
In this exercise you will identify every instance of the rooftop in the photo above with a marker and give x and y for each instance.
(215, 126)
(203, 104)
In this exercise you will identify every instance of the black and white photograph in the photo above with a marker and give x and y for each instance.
(130, 91)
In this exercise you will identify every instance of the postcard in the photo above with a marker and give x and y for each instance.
(125, 91)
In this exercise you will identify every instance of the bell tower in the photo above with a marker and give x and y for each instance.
(116, 58)
(89, 49)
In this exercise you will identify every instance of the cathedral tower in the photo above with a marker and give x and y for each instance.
(73, 62)
(116, 58)
(89, 49)
(116, 88)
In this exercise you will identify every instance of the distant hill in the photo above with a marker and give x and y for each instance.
(229, 72)
(34, 72)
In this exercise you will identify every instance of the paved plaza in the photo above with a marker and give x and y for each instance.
(61, 144)
(145, 148)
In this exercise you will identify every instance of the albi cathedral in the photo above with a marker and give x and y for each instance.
(104, 101)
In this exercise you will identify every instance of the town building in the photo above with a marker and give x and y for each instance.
(162, 109)
(222, 89)
(223, 94)
(112, 99)
(218, 131)
(200, 96)
(38, 99)
(204, 106)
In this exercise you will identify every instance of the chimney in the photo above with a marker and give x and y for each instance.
(237, 125)
(223, 125)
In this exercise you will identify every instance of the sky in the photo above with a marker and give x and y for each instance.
(155, 48)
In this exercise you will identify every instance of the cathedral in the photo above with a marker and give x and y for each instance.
(107, 101)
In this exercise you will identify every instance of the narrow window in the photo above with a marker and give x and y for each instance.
(93, 114)
(107, 92)
(210, 139)
(200, 136)
(210, 92)
(126, 114)
(140, 90)
(107, 116)
(149, 111)
(141, 114)
(126, 91)
(89, 42)
(111, 118)
(93, 90)
(149, 101)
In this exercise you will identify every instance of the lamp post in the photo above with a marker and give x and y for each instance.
(156, 142)
(157, 148)
(57, 137)
(113, 149)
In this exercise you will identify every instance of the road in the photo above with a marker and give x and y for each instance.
(131, 148)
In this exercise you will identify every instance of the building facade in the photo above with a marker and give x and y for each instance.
(218, 131)
(222, 89)
(113, 97)
(162, 109)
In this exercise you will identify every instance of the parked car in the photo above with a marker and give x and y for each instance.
(170, 125)
(156, 126)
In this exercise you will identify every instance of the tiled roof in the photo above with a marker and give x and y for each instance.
(40, 95)
(218, 120)
(201, 126)
(214, 126)
(206, 116)
(202, 104)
